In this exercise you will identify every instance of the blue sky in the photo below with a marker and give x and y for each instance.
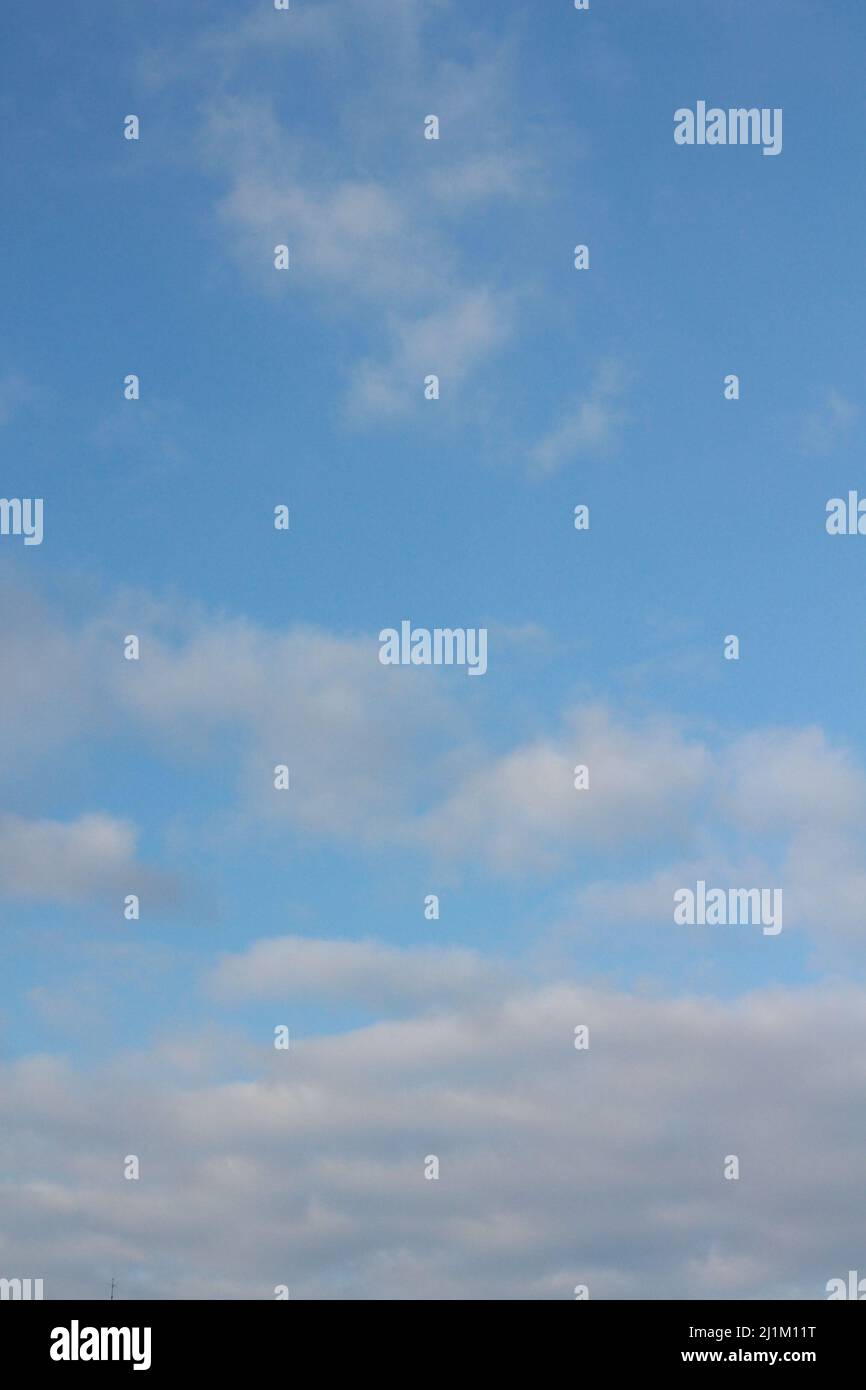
(259, 647)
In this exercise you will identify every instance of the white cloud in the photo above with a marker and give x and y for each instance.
(602, 1167)
(68, 862)
(383, 757)
(590, 427)
(449, 343)
(384, 249)
(792, 777)
(322, 705)
(780, 807)
(385, 977)
(498, 174)
(522, 811)
(828, 425)
(362, 244)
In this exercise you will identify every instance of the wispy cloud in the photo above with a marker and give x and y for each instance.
(15, 392)
(590, 427)
(829, 424)
(385, 248)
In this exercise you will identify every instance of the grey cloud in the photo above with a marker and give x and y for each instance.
(367, 972)
(558, 1167)
(522, 811)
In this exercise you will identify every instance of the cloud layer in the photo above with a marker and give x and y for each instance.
(558, 1166)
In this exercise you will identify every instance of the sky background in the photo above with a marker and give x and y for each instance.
(707, 517)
